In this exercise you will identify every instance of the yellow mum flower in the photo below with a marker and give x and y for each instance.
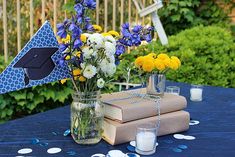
(167, 62)
(106, 34)
(78, 54)
(148, 65)
(174, 65)
(97, 28)
(83, 38)
(68, 57)
(153, 55)
(114, 33)
(82, 79)
(163, 56)
(177, 60)
(76, 72)
(148, 58)
(63, 81)
(139, 61)
(67, 39)
(159, 64)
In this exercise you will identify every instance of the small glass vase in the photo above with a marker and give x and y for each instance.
(156, 84)
(87, 115)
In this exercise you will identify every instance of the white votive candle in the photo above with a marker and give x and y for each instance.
(145, 141)
(196, 94)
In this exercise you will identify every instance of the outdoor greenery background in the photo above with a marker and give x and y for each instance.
(206, 52)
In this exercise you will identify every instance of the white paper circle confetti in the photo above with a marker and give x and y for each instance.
(25, 151)
(178, 136)
(53, 150)
(132, 143)
(194, 122)
(189, 137)
(116, 153)
(98, 155)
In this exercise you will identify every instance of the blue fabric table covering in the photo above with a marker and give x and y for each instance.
(215, 135)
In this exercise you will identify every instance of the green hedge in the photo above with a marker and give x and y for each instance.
(32, 100)
(207, 55)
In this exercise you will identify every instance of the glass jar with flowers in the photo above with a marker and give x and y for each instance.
(92, 58)
(154, 67)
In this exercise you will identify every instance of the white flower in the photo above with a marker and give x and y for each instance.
(89, 71)
(87, 52)
(111, 69)
(86, 34)
(108, 68)
(110, 48)
(95, 40)
(110, 39)
(100, 83)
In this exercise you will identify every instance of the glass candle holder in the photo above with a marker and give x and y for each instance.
(146, 138)
(196, 92)
(173, 90)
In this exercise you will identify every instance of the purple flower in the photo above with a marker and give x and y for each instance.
(79, 9)
(150, 29)
(87, 19)
(135, 38)
(79, 20)
(63, 47)
(126, 26)
(91, 4)
(126, 33)
(120, 49)
(62, 33)
(88, 27)
(60, 26)
(137, 29)
(148, 38)
(77, 43)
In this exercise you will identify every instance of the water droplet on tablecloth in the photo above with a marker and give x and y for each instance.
(178, 136)
(189, 137)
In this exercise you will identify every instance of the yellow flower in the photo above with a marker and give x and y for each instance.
(83, 38)
(153, 55)
(78, 54)
(176, 59)
(139, 61)
(159, 64)
(148, 64)
(67, 39)
(163, 56)
(97, 28)
(82, 79)
(68, 57)
(76, 72)
(63, 81)
(106, 34)
(167, 62)
(174, 65)
(114, 33)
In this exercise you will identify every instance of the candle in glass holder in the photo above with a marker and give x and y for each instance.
(196, 93)
(146, 139)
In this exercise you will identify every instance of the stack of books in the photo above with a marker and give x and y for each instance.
(124, 111)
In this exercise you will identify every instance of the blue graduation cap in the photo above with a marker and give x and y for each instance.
(35, 64)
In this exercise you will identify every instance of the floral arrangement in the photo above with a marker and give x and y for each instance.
(92, 56)
(159, 64)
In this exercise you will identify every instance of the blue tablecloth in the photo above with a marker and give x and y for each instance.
(215, 135)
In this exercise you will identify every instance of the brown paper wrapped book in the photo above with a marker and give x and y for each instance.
(117, 133)
(124, 107)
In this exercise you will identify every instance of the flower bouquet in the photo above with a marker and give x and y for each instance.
(154, 67)
(92, 58)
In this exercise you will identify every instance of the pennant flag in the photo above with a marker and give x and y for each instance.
(35, 64)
